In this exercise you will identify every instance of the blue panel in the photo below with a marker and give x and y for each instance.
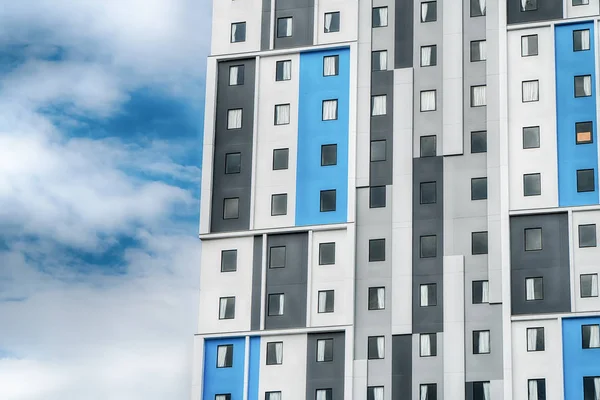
(577, 362)
(254, 371)
(570, 110)
(313, 132)
(223, 380)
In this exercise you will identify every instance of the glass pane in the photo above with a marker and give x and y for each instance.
(532, 185)
(478, 188)
(428, 192)
(279, 204)
(479, 243)
(277, 257)
(533, 239)
(280, 159)
(428, 146)
(376, 250)
(231, 208)
(585, 180)
(377, 197)
(326, 253)
(328, 200)
(428, 246)
(228, 260)
(531, 137)
(479, 142)
(378, 150)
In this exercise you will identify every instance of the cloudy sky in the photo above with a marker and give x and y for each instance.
(101, 106)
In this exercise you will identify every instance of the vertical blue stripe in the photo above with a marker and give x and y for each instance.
(224, 380)
(577, 362)
(254, 369)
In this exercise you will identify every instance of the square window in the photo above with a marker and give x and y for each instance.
(327, 253)
(478, 49)
(530, 91)
(231, 208)
(283, 70)
(428, 344)
(478, 142)
(376, 347)
(535, 339)
(380, 17)
(332, 22)
(583, 132)
(375, 393)
(279, 204)
(480, 292)
(324, 394)
(481, 390)
(481, 342)
(282, 114)
(583, 86)
(284, 27)
(428, 246)
(477, 8)
(478, 188)
(273, 395)
(379, 60)
(479, 243)
(529, 45)
(225, 356)
(234, 119)
(223, 396)
(428, 56)
(376, 298)
(228, 260)
(428, 391)
(590, 336)
(587, 235)
(478, 98)
(227, 308)
(528, 5)
(277, 257)
(591, 387)
(378, 105)
(428, 193)
(588, 285)
(534, 289)
(276, 304)
(326, 299)
(233, 163)
(328, 200)
(428, 295)
(581, 40)
(428, 11)
(376, 250)
(533, 239)
(324, 350)
(328, 155)
(238, 32)
(330, 111)
(428, 146)
(377, 197)
(585, 180)
(536, 388)
(532, 184)
(274, 353)
(280, 159)
(428, 100)
(331, 65)
(377, 150)
(236, 75)
(531, 137)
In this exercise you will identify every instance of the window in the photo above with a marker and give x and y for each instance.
(283, 70)
(590, 336)
(585, 180)
(428, 56)
(223, 396)
(280, 159)
(379, 60)
(332, 22)
(481, 391)
(234, 119)
(531, 137)
(530, 91)
(225, 356)
(587, 235)
(479, 243)
(428, 11)
(478, 48)
(375, 393)
(284, 27)
(282, 114)
(428, 293)
(236, 75)
(481, 342)
(376, 347)
(233, 163)
(277, 256)
(583, 132)
(477, 8)
(228, 260)
(328, 200)
(378, 105)
(478, 96)
(428, 246)
(323, 394)
(428, 391)
(480, 292)
(535, 339)
(428, 100)
(377, 197)
(478, 142)
(428, 146)
(528, 5)
(529, 45)
(324, 350)
(377, 150)
(274, 353)
(534, 288)
(227, 308)
(581, 40)
(583, 86)
(328, 155)
(536, 388)
(376, 250)
(380, 17)
(273, 395)
(276, 303)
(376, 298)
(327, 253)
(428, 344)
(478, 188)
(331, 65)
(238, 32)
(532, 184)
(330, 110)
(591, 388)
(588, 285)
(580, 3)
(428, 193)
(326, 301)
(533, 239)
(279, 204)
(231, 208)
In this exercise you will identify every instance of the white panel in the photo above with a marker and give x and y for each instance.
(288, 377)
(452, 90)
(231, 11)
(454, 327)
(348, 21)
(585, 259)
(352, 133)
(360, 380)
(197, 367)
(582, 11)
(208, 145)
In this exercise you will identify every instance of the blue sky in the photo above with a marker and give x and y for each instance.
(101, 105)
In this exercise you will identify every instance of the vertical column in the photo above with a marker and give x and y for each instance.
(363, 109)
(454, 327)
(208, 145)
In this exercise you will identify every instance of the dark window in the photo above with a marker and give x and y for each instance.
(590, 336)
(327, 253)
(590, 387)
(238, 32)
(283, 70)
(236, 75)
(536, 386)
(528, 5)
(227, 308)
(481, 342)
(583, 86)
(428, 391)
(428, 192)
(380, 17)
(478, 188)
(534, 289)
(223, 396)
(374, 392)
(378, 150)
(428, 246)
(587, 235)
(588, 285)
(481, 390)
(328, 154)
(480, 292)
(328, 200)
(533, 239)
(479, 243)
(379, 60)
(228, 260)
(284, 27)
(531, 137)
(581, 40)
(324, 394)
(331, 65)
(428, 345)
(377, 197)
(280, 159)
(376, 298)
(535, 339)
(580, 2)
(583, 132)
(277, 256)
(276, 304)
(477, 8)
(428, 11)
(332, 22)
(225, 356)
(324, 350)
(585, 180)
(532, 184)
(428, 295)
(478, 142)
(326, 300)
(376, 250)
(274, 353)
(529, 45)
(273, 395)
(376, 347)
(231, 209)
(233, 163)
(428, 146)
(279, 204)
(428, 56)
(478, 49)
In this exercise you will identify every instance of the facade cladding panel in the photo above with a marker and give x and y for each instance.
(224, 380)
(577, 361)
(325, 375)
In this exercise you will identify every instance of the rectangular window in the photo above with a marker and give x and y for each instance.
(481, 342)
(428, 246)
(591, 388)
(377, 150)
(478, 188)
(481, 391)
(428, 344)
(536, 388)
(376, 298)
(581, 40)
(234, 119)
(332, 22)
(236, 75)
(324, 394)
(428, 100)
(379, 60)
(428, 146)
(331, 65)
(225, 356)
(478, 98)
(227, 308)
(223, 396)
(233, 163)
(534, 288)
(587, 235)
(590, 336)
(428, 11)
(228, 260)
(533, 239)
(282, 114)
(428, 56)
(238, 32)
(378, 105)
(377, 197)
(479, 243)
(328, 155)
(330, 110)
(326, 301)
(530, 91)
(529, 45)
(274, 353)
(477, 8)
(327, 253)
(280, 159)
(428, 391)
(531, 137)
(276, 304)
(376, 348)
(588, 285)
(585, 180)
(583, 132)
(279, 204)
(580, 2)
(277, 257)
(529, 5)
(478, 142)
(283, 70)
(376, 250)
(324, 350)
(535, 339)
(478, 50)
(532, 184)
(327, 200)
(273, 395)
(375, 393)
(380, 17)
(284, 27)
(583, 86)
(480, 292)
(231, 208)
(428, 192)
(428, 295)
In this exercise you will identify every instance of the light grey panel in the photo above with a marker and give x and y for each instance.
(427, 369)
(256, 284)
(325, 375)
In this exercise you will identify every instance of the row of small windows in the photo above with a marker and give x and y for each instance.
(583, 135)
(532, 183)
(530, 47)
(530, 90)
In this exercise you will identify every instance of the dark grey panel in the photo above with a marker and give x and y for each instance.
(233, 185)
(428, 220)
(302, 25)
(547, 9)
(401, 366)
(290, 280)
(380, 172)
(325, 375)
(256, 284)
(551, 263)
(265, 31)
(403, 34)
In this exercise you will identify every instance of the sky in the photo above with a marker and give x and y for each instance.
(101, 107)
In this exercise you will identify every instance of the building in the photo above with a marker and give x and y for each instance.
(400, 201)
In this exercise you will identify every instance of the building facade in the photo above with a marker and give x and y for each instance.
(400, 201)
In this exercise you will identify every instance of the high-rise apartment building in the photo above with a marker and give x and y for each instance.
(400, 201)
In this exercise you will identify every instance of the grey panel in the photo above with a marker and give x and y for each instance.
(290, 280)
(547, 9)
(265, 25)
(240, 140)
(403, 34)
(468, 390)
(302, 12)
(380, 172)
(325, 375)
(256, 284)
(401, 366)
(551, 263)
